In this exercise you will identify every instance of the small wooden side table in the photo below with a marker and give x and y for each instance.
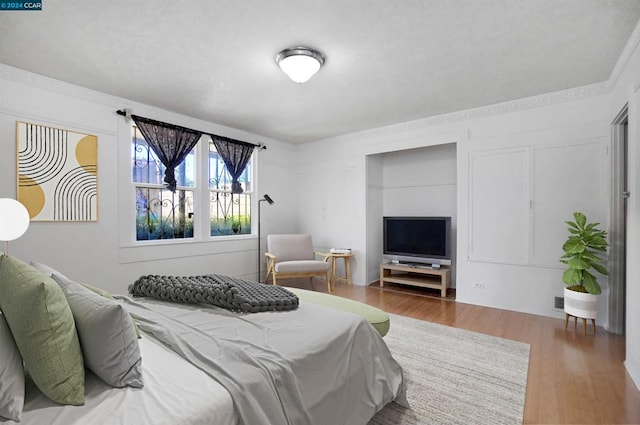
(346, 257)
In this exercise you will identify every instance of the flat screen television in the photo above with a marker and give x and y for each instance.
(418, 239)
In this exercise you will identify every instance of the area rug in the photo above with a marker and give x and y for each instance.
(455, 376)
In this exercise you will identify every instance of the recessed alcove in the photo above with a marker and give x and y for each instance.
(410, 182)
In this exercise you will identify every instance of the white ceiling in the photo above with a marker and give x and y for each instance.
(387, 61)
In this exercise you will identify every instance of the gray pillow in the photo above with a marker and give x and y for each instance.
(106, 294)
(107, 337)
(11, 375)
(46, 270)
(43, 268)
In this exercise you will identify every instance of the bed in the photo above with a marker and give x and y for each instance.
(203, 364)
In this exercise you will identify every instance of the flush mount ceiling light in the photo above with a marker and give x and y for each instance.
(300, 63)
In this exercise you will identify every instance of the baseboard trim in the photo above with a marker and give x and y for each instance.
(632, 365)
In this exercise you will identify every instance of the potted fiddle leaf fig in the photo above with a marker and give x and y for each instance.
(582, 256)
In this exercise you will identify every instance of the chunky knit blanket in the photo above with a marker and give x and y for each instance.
(222, 291)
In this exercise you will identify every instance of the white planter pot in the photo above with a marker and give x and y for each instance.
(579, 304)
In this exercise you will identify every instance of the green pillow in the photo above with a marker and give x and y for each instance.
(44, 331)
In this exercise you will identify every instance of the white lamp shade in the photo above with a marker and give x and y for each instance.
(14, 219)
(299, 68)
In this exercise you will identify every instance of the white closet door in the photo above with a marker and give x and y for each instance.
(565, 179)
(499, 206)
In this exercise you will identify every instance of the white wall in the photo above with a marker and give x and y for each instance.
(420, 181)
(98, 252)
(375, 212)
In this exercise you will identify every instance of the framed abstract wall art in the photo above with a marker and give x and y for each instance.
(57, 173)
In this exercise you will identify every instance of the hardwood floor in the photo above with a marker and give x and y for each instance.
(573, 379)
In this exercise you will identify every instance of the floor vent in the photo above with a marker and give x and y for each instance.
(559, 303)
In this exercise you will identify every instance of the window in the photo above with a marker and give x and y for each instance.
(230, 212)
(162, 214)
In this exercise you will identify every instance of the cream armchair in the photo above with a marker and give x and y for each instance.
(292, 256)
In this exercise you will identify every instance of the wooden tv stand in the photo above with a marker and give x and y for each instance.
(425, 277)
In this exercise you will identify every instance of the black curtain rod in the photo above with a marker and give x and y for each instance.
(125, 114)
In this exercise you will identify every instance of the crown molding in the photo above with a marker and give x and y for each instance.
(625, 56)
(547, 99)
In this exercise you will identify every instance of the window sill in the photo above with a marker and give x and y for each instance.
(141, 251)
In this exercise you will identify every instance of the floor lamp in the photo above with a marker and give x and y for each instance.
(268, 199)
(14, 221)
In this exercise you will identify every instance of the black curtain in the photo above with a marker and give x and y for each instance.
(235, 155)
(171, 143)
